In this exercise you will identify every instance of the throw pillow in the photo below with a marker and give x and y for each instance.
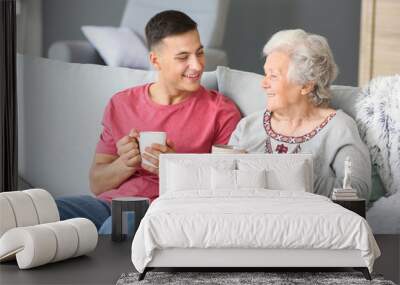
(118, 46)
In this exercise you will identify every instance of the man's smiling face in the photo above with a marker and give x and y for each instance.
(180, 61)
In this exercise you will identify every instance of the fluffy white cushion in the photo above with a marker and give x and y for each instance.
(40, 244)
(118, 46)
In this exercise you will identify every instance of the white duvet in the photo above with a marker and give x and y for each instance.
(250, 219)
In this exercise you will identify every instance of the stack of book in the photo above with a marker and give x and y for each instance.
(344, 194)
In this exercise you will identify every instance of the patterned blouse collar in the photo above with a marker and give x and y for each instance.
(289, 139)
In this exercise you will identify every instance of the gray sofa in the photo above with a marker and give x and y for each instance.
(60, 108)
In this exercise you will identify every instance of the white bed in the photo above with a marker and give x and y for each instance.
(214, 211)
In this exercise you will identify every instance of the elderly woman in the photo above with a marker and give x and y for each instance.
(299, 70)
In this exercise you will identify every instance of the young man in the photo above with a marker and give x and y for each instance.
(193, 118)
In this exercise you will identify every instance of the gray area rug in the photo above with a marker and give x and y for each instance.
(270, 278)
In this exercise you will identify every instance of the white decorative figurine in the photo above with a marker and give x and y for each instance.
(347, 174)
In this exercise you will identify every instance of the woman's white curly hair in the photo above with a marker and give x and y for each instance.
(311, 60)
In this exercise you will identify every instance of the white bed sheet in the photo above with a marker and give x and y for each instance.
(256, 218)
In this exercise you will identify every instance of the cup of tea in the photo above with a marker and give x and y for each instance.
(146, 139)
(226, 149)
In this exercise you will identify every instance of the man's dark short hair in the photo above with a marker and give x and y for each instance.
(167, 23)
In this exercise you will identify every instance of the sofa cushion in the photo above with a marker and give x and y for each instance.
(118, 46)
(344, 97)
(245, 89)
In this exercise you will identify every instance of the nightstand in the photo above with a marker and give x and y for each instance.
(356, 205)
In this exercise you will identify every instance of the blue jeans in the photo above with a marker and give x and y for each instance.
(96, 210)
(83, 206)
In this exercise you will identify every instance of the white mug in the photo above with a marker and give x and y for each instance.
(146, 139)
(226, 149)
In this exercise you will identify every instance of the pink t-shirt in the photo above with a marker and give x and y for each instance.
(194, 125)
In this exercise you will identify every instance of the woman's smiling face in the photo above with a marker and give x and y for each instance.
(281, 92)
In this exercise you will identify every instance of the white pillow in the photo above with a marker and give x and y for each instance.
(118, 46)
(290, 179)
(223, 179)
(185, 175)
(235, 179)
(251, 178)
(285, 173)
(183, 178)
